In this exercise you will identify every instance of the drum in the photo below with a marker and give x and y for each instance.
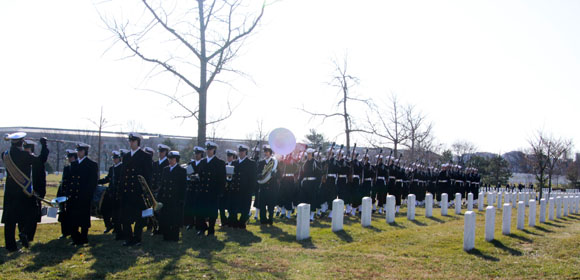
(98, 197)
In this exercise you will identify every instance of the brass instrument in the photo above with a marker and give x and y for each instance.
(148, 197)
(268, 170)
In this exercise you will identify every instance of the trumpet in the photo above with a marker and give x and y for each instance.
(148, 197)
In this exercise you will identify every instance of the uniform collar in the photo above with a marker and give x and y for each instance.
(162, 160)
(81, 160)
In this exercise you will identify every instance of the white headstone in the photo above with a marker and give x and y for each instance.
(565, 210)
(469, 231)
(411, 207)
(444, 204)
(526, 198)
(457, 204)
(469, 202)
(551, 208)
(542, 210)
(577, 204)
(532, 213)
(366, 212)
(489, 223)
(506, 219)
(521, 215)
(390, 209)
(490, 199)
(514, 199)
(499, 199)
(559, 207)
(302, 221)
(480, 198)
(337, 214)
(429, 205)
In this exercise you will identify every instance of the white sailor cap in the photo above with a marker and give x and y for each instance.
(149, 150)
(15, 137)
(242, 147)
(82, 146)
(310, 150)
(123, 151)
(115, 154)
(135, 136)
(162, 147)
(69, 153)
(459, 166)
(29, 143)
(173, 154)
(198, 149)
(267, 147)
(230, 152)
(211, 145)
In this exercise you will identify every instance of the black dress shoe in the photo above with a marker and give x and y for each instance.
(24, 240)
(107, 230)
(11, 250)
(210, 234)
(188, 227)
(200, 232)
(127, 243)
(63, 237)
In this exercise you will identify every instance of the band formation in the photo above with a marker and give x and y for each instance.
(163, 196)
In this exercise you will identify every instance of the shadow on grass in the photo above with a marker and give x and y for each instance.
(540, 228)
(278, 233)
(418, 223)
(344, 236)
(436, 219)
(519, 237)
(531, 232)
(477, 253)
(573, 217)
(373, 228)
(395, 224)
(51, 253)
(307, 243)
(554, 225)
(511, 251)
(242, 237)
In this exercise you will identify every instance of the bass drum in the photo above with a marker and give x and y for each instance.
(97, 201)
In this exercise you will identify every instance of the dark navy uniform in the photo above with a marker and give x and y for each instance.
(242, 186)
(84, 177)
(172, 195)
(132, 201)
(212, 183)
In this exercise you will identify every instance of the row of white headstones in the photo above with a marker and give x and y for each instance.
(561, 203)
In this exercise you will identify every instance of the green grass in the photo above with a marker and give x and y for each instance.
(428, 248)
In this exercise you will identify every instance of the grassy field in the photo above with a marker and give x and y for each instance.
(427, 248)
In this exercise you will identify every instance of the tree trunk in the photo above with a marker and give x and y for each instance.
(202, 115)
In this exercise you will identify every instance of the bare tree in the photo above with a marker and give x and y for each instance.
(417, 130)
(391, 127)
(462, 148)
(100, 125)
(188, 40)
(344, 82)
(544, 154)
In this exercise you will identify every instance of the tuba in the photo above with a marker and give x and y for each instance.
(269, 169)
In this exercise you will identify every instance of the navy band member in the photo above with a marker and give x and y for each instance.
(267, 185)
(342, 186)
(39, 186)
(18, 207)
(136, 162)
(380, 186)
(63, 191)
(85, 174)
(287, 191)
(190, 209)
(172, 195)
(212, 182)
(309, 181)
(110, 201)
(224, 199)
(242, 185)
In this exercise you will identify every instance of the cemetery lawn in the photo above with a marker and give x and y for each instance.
(428, 248)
